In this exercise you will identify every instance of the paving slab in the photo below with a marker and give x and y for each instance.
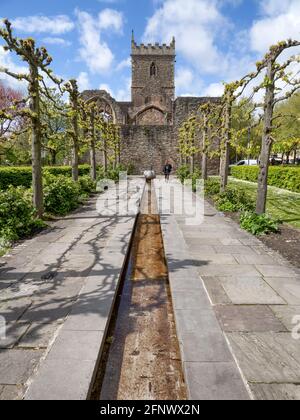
(13, 309)
(204, 346)
(11, 392)
(276, 271)
(214, 382)
(289, 315)
(14, 333)
(184, 299)
(288, 288)
(51, 382)
(244, 290)
(276, 392)
(256, 318)
(16, 366)
(267, 357)
(38, 336)
(208, 270)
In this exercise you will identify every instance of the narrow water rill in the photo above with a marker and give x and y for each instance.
(142, 358)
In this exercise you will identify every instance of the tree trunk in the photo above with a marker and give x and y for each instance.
(75, 161)
(105, 155)
(75, 132)
(204, 152)
(53, 157)
(192, 164)
(93, 161)
(204, 167)
(37, 178)
(225, 150)
(93, 149)
(266, 141)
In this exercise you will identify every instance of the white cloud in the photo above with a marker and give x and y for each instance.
(83, 81)
(94, 51)
(214, 89)
(57, 41)
(275, 7)
(281, 21)
(7, 62)
(124, 64)
(38, 24)
(195, 24)
(121, 95)
(109, 18)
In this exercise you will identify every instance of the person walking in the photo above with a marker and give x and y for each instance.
(167, 171)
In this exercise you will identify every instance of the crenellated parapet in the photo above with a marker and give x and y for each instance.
(153, 49)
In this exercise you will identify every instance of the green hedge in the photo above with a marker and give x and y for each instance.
(284, 177)
(17, 215)
(22, 176)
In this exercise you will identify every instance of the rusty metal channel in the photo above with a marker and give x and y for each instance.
(141, 358)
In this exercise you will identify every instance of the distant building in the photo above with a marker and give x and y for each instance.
(150, 122)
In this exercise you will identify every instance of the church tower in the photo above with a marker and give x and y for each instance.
(153, 83)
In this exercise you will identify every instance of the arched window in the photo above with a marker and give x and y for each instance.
(153, 70)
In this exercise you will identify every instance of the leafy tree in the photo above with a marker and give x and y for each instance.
(38, 61)
(54, 126)
(274, 72)
(287, 136)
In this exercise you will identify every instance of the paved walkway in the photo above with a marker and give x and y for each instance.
(219, 272)
(234, 303)
(56, 294)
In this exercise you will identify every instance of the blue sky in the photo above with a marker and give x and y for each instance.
(217, 40)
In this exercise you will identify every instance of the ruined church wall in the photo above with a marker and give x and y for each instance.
(144, 147)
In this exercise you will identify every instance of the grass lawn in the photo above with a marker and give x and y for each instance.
(282, 204)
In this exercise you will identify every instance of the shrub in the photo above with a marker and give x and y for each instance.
(113, 173)
(183, 173)
(17, 215)
(61, 194)
(286, 177)
(258, 224)
(22, 176)
(87, 185)
(235, 200)
(212, 187)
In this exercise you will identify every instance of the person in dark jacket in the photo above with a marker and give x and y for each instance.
(167, 170)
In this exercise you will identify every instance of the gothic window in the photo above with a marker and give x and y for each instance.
(153, 70)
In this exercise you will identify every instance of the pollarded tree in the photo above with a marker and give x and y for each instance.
(74, 112)
(275, 72)
(54, 125)
(38, 61)
(188, 146)
(208, 122)
(89, 119)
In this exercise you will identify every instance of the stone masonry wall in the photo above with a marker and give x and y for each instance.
(148, 146)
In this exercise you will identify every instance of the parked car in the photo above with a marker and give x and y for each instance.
(246, 162)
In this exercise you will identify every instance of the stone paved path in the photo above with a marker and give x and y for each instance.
(56, 294)
(255, 295)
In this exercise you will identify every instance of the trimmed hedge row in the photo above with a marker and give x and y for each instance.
(22, 176)
(284, 177)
